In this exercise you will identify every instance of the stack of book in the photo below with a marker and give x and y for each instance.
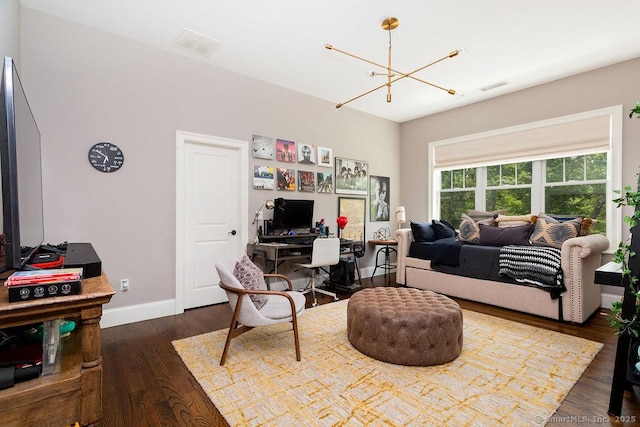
(35, 284)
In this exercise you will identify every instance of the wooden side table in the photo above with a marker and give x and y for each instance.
(75, 393)
(385, 250)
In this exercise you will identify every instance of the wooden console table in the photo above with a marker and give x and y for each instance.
(75, 393)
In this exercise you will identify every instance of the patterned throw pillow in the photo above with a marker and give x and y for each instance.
(251, 277)
(515, 220)
(470, 229)
(549, 232)
(585, 226)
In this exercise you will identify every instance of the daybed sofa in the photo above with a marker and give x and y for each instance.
(580, 256)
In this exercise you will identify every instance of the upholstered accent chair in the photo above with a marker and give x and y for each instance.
(275, 306)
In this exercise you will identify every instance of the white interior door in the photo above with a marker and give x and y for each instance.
(213, 189)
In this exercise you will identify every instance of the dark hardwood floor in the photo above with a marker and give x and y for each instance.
(146, 384)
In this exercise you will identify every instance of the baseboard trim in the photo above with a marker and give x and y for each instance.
(156, 309)
(137, 313)
(608, 299)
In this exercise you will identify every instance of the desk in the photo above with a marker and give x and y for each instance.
(277, 253)
(611, 274)
(386, 250)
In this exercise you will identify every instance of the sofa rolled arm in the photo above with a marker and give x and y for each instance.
(586, 245)
(404, 237)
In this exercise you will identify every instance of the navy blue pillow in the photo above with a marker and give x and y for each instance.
(443, 229)
(423, 232)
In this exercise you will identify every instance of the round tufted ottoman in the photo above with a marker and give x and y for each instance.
(405, 326)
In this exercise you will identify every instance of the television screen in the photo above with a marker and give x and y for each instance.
(291, 214)
(20, 172)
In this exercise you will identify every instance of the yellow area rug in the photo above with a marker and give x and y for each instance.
(507, 374)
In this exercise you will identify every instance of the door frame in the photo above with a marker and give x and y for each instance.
(183, 138)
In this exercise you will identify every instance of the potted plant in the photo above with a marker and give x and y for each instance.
(628, 197)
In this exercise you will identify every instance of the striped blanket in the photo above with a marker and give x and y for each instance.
(537, 266)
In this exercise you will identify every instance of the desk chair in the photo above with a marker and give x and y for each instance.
(326, 252)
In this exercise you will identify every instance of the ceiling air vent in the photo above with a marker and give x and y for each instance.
(494, 85)
(197, 43)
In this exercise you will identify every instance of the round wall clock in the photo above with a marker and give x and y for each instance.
(106, 157)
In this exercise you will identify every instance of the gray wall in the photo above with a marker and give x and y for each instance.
(604, 87)
(10, 29)
(87, 86)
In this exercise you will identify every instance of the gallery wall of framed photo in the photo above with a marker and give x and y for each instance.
(284, 166)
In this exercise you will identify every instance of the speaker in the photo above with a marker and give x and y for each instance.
(268, 227)
(343, 273)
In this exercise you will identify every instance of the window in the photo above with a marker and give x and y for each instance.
(574, 185)
(567, 166)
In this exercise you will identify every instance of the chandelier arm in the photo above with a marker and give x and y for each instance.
(402, 74)
(361, 95)
(358, 57)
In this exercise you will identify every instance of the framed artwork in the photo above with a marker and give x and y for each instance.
(354, 208)
(285, 151)
(306, 181)
(325, 182)
(379, 198)
(325, 157)
(307, 154)
(286, 179)
(262, 147)
(352, 176)
(263, 177)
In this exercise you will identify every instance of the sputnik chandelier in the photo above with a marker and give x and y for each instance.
(392, 74)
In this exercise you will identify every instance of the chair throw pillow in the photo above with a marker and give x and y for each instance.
(423, 232)
(251, 278)
(549, 232)
(502, 236)
(470, 228)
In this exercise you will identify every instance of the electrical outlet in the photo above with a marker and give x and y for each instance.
(124, 284)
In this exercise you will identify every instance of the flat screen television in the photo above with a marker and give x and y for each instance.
(20, 172)
(292, 214)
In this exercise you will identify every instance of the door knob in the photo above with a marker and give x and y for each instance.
(233, 232)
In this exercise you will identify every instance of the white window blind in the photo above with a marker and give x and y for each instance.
(575, 137)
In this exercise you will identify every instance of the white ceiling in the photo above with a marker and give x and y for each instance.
(282, 42)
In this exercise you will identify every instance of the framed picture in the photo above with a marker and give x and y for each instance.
(285, 151)
(307, 154)
(379, 198)
(352, 176)
(286, 179)
(354, 208)
(325, 182)
(262, 147)
(325, 157)
(263, 177)
(307, 181)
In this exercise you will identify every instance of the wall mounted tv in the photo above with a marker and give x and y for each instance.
(292, 214)
(20, 172)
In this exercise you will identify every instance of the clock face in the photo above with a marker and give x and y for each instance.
(106, 157)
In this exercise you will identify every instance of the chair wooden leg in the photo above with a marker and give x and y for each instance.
(234, 331)
(296, 339)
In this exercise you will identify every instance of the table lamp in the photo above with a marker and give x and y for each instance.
(401, 217)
